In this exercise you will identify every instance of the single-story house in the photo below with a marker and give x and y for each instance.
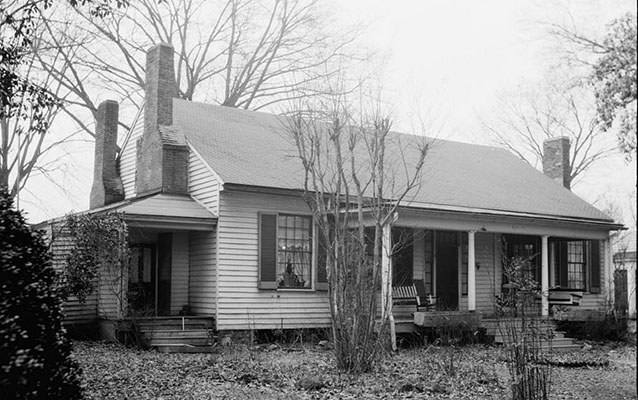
(213, 200)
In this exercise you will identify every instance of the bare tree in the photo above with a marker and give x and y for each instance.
(525, 120)
(26, 119)
(357, 174)
(30, 98)
(608, 65)
(238, 53)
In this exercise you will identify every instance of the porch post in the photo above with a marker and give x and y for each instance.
(609, 274)
(386, 271)
(631, 288)
(471, 272)
(544, 277)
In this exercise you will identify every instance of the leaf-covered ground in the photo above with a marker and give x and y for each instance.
(272, 372)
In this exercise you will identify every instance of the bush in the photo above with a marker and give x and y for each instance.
(34, 352)
(612, 328)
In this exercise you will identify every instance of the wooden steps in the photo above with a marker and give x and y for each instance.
(178, 334)
(551, 339)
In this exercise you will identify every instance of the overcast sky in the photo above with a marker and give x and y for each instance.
(450, 57)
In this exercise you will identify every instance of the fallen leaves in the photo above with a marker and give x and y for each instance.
(477, 372)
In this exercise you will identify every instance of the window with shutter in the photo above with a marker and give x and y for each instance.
(576, 264)
(285, 251)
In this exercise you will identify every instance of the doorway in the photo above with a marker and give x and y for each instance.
(447, 270)
(150, 268)
(142, 279)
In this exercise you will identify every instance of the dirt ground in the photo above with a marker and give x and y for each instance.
(276, 372)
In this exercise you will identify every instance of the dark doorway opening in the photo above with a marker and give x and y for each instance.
(447, 270)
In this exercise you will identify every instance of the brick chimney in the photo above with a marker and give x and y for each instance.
(556, 160)
(107, 185)
(162, 153)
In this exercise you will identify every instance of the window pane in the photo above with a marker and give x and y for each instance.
(575, 265)
(294, 268)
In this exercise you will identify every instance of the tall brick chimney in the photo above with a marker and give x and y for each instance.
(556, 160)
(162, 153)
(107, 185)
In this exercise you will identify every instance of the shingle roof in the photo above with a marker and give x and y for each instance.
(254, 148)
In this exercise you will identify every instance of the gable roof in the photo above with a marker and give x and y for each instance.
(255, 149)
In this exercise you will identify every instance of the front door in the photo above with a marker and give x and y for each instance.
(150, 269)
(447, 270)
(142, 278)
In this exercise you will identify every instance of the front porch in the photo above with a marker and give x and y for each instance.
(465, 271)
(170, 267)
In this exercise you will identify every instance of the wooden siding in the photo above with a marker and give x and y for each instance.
(241, 305)
(203, 185)
(179, 272)
(128, 160)
(61, 244)
(203, 272)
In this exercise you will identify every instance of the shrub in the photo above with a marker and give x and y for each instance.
(612, 329)
(34, 352)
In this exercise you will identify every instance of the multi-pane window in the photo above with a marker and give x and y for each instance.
(576, 265)
(294, 251)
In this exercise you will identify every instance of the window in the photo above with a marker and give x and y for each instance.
(403, 256)
(294, 251)
(575, 264)
(523, 255)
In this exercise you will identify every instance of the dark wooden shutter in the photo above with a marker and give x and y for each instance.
(594, 266)
(562, 263)
(268, 251)
(164, 267)
(323, 247)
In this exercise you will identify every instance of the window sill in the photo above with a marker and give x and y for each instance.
(293, 289)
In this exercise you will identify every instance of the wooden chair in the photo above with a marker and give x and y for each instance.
(413, 294)
(425, 299)
(405, 294)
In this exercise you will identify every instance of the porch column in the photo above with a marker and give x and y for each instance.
(631, 288)
(386, 272)
(609, 273)
(544, 277)
(471, 272)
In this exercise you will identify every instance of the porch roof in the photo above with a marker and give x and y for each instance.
(168, 211)
(163, 211)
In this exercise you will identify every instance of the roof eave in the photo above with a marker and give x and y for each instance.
(607, 224)
(603, 224)
(172, 223)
